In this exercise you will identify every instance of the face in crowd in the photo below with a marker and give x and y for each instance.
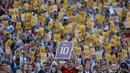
(19, 71)
(54, 68)
(30, 67)
(81, 68)
(114, 67)
(8, 69)
(87, 66)
(3, 66)
(45, 67)
(69, 64)
(25, 67)
(103, 68)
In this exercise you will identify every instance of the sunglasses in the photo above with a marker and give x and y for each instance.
(54, 66)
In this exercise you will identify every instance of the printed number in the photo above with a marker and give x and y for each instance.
(64, 50)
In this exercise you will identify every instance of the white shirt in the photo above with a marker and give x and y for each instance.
(42, 43)
(106, 28)
(92, 17)
(111, 10)
(22, 60)
(50, 35)
(10, 27)
(51, 20)
(67, 37)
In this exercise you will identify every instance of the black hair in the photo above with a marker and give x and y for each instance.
(106, 71)
(4, 62)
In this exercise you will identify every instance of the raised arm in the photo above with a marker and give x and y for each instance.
(76, 58)
(59, 64)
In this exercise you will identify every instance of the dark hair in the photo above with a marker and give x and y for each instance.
(55, 68)
(55, 72)
(23, 67)
(106, 71)
(4, 62)
(124, 65)
(95, 69)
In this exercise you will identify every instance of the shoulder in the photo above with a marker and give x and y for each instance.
(74, 68)
(62, 67)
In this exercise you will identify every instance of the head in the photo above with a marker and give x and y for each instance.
(8, 68)
(54, 68)
(69, 64)
(105, 71)
(25, 67)
(94, 71)
(114, 67)
(37, 59)
(81, 68)
(87, 66)
(18, 71)
(46, 66)
(103, 67)
(3, 66)
(30, 68)
(99, 68)
(123, 67)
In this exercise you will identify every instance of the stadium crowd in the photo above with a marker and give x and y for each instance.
(30, 31)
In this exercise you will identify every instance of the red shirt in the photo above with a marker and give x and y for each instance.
(127, 35)
(65, 70)
(10, 5)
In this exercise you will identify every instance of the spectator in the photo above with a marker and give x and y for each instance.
(69, 68)
(94, 71)
(8, 69)
(18, 71)
(114, 68)
(54, 69)
(45, 68)
(103, 67)
(3, 67)
(87, 68)
(81, 69)
(16, 66)
(123, 68)
(25, 68)
(30, 31)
